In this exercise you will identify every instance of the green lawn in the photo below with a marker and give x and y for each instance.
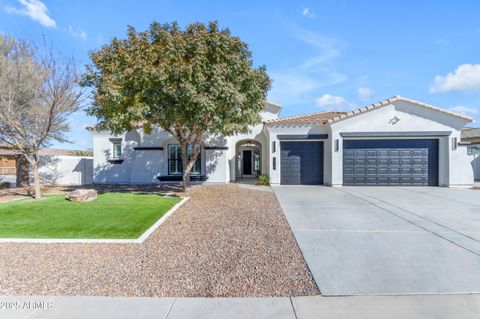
(111, 215)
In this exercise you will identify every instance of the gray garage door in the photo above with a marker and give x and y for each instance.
(390, 162)
(301, 163)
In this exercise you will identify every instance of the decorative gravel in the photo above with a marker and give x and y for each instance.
(225, 241)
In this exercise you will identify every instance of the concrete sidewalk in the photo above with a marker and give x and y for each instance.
(371, 307)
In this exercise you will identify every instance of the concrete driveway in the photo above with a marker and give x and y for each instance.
(380, 241)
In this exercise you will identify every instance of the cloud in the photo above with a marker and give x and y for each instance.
(465, 78)
(365, 94)
(442, 41)
(465, 110)
(293, 84)
(333, 103)
(34, 9)
(308, 13)
(79, 33)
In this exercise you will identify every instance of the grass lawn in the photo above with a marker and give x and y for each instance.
(111, 215)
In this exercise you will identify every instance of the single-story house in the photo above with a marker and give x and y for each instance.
(398, 141)
(471, 138)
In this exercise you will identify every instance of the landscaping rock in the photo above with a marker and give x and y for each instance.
(82, 195)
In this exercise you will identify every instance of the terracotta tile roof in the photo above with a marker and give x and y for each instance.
(313, 118)
(470, 132)
(396, 99)
(331, 117)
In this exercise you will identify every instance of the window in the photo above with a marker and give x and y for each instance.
(117, 149)
(175, 160)
(274, 163)
(274, 147)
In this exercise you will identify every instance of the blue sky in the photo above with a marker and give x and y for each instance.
(321, 55)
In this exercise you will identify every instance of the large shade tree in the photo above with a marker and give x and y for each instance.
(190, 82)
(38, 92)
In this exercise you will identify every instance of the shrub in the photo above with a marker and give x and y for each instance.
(264, 180)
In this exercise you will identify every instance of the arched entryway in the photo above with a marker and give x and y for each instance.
(248, 159)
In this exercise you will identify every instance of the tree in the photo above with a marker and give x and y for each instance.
(190, 82)
(37, 94)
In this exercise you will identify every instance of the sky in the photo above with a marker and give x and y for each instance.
(321, 55)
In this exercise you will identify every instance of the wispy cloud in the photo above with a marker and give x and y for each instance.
(38, 12)
(34, 9)
(77, 32)
(465, 110)
(465, 78)
(365, 94)
(306, 12)
(333, 103)
(292, 84)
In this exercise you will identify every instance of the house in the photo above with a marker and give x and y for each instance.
(398, 141)
(470, 136)
(7, 161)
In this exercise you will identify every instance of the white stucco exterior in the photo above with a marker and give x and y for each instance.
(145, 156)
(65, 170)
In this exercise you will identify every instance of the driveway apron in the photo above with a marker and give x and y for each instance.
(387, 240)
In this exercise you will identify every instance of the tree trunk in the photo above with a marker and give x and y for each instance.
(185, 169)
(36, 177)
(22, 171)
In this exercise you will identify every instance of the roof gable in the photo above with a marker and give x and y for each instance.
(320, 118)
(391, 101)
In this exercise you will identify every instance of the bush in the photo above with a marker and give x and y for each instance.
(264, 180)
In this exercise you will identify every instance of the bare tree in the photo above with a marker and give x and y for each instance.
(37, 94)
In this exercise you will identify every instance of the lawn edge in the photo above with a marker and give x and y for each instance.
(138, 240)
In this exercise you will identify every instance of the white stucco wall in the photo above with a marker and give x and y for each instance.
(66, 170)
(453, 168)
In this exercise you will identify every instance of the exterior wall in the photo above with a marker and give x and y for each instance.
(7, 165)
(66, 170)
(274, 131)
(453, 167)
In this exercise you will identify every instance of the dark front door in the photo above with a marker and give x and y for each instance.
(390, 162)
(301, 163)
(247, 162)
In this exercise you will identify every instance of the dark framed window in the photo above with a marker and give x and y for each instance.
(175, 166)
(117, 149)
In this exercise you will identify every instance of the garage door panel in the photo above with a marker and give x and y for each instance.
(391, 162)
(302, 162)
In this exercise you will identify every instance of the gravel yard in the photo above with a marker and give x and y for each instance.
(225, 241)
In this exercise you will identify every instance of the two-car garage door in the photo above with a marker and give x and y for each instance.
(390, 162)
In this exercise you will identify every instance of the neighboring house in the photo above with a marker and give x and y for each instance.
(398, 141)
(7, 161)
(471, 137)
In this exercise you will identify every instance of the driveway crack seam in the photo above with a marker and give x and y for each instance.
(427, 219)
(408, 221)
(170, 309)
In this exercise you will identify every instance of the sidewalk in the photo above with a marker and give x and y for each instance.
(371, 307)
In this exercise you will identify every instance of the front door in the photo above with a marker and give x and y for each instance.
(247, 162)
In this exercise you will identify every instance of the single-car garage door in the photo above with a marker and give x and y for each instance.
(390, 162)
(301, 163)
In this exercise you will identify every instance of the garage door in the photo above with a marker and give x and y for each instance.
(390, 162)
(301, 163)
